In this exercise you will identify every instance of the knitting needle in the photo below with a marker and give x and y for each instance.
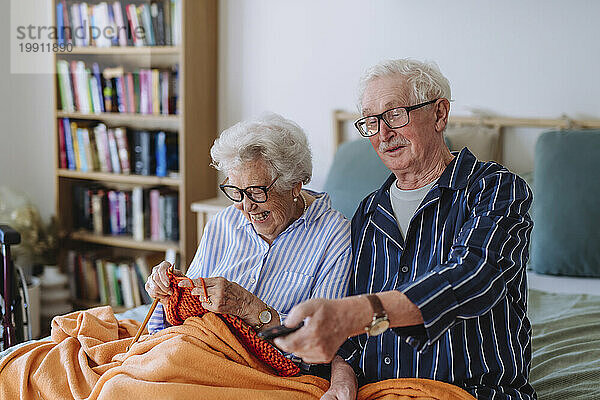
(141, 328)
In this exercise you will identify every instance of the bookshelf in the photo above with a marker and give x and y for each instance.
(194, 124)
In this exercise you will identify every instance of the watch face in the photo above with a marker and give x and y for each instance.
(379, 326)
(265, 316)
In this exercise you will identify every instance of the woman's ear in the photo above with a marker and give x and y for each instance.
(297, 189)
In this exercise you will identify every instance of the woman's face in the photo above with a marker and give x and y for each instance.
(277, 213)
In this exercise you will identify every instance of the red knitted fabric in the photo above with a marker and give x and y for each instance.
(182, 305)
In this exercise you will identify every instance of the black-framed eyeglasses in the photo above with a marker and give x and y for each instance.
(394, 118)
(257, 194)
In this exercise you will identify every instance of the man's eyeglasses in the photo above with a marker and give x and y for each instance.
(257, 194)
(394, 118)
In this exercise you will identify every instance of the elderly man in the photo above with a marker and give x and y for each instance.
(439, 254)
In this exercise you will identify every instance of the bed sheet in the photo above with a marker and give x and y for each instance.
(565, 345)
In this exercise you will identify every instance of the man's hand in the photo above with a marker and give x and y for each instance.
(327, 324)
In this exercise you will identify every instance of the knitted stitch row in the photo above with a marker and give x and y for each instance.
(182, 305)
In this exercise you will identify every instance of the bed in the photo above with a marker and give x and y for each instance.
(564, 310)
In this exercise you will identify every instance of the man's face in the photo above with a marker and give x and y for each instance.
(403, 150)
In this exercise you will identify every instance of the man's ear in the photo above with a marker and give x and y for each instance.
(441, 114)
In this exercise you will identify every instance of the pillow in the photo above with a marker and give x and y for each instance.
(566, 232)
(482, 141)
(356, 171)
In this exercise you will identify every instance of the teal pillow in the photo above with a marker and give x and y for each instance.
(566, 232)
(356, 171)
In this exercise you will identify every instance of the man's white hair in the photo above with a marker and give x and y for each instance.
(280, 142)
(425, 80)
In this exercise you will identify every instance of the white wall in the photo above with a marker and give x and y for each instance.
(537, 58)
(303, 59)
(26, 119)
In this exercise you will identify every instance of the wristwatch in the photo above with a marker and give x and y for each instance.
(264, 317)
(380, 322)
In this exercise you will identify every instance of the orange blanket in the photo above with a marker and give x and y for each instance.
(200, 359)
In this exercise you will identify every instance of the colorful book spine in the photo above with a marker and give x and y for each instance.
(71, 164)
(62, 150)
(122, 149)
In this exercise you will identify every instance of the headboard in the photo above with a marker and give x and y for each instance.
(498, 124)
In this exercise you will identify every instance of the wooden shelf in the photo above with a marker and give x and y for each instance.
(195, 126)
(120, 178)
(124, 241)
(129, 50)
(138, 121)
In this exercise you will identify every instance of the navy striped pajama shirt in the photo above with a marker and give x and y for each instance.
(463, 264)
(310, 258)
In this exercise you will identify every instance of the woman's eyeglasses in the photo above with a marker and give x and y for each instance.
(257, 194)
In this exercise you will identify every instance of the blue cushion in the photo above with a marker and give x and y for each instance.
(566, 232)
(357, 170)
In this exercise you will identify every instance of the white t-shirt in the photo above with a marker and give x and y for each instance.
(406, 202)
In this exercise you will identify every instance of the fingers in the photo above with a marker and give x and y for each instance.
(299, 312)
(157, 284)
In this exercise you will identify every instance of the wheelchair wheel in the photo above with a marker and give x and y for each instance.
(21, 313)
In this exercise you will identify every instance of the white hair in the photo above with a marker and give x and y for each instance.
(280, 142)
(425, 80)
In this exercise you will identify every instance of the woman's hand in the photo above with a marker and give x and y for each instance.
(225, 297)
(344, 385)
(157, 284)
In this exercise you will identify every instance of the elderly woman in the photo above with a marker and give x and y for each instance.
(278, 244)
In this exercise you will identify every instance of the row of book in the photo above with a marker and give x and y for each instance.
(140, 213)
(117, 282)
(149, 91)
(89, 147)
(155, 23)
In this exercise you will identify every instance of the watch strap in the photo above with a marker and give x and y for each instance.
(377, 306)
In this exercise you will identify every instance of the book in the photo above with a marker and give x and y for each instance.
(154, 214)
(131, 107)
(101, 139)
(171, 218)
(85, 23)
(137, 200)
(143, 157)
(122, 149)
(136, 33)
(126, 285)
(62, 149)
(113, 283)
(120, 23)
(84, 149)
(102, 284)
(172, 143)
(122, 204)
(135, 287)
(76, 24)
(74, 139)
(155, 91)
(114, 152)
(161, 153)
(98, 212)
(60, 26)
(98, 78)
(113, 211)
(146, 19)
(158, 23)
(65, 86)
